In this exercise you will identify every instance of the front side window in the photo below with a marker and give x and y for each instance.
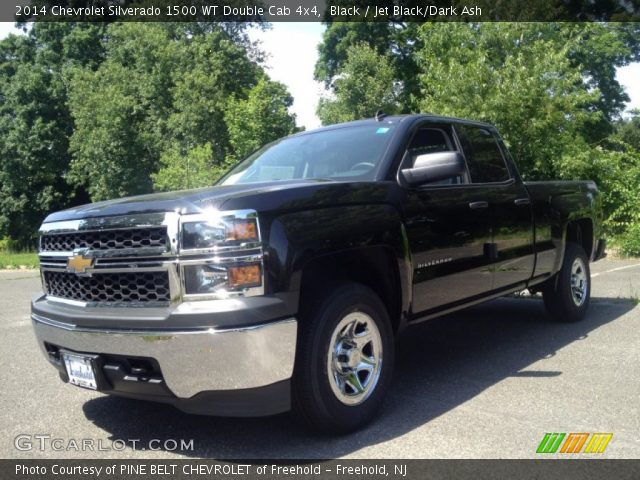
(348, 153)
(431, 140)
(484, 158)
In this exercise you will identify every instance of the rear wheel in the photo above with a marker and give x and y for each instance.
(344, 359)
(566, 296)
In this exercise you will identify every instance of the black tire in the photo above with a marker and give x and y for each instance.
(314, 399)
(560, 299)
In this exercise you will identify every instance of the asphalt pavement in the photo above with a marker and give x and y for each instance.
(487, 382)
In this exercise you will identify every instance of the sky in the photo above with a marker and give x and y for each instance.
(292, 54)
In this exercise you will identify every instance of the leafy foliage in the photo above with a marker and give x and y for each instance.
(90, 111)
(621, 185)
(514, 78)
(629, 131)
(366, 85)
(396, 42)
(7, 244)
(260, 118)
(97, 111)
(630, 241)
(553, 115)
(191, 169)
(35, 122)
(163, 111)
(245, 125)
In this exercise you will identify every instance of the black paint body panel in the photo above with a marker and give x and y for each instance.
(447, 254)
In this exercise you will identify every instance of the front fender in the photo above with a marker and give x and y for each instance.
(295, 239)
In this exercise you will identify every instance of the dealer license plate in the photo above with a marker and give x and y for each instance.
(80, 371)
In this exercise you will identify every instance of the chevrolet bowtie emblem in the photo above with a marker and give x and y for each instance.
(78, 264)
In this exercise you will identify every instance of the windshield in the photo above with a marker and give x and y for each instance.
(343, 153)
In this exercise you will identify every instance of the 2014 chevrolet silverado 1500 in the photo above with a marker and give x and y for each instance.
(284, 285)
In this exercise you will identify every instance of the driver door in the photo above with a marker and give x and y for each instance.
(448, 228)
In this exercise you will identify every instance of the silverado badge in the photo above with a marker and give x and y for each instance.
(78, 264)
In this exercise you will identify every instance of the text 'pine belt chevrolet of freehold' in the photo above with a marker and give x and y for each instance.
(285, 284)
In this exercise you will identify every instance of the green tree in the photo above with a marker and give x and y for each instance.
(397, 42)
(510, 76)
(623, 148)
(35, 122)
(260, 118)
(522, 78)
(213, 70)
(249, 123)
(366, 84)
(596, 50)
(187, 169)
(168, 101)
(120, 111)
(91, 111)
(628, 130)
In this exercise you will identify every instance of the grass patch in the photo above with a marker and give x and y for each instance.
(18, 260)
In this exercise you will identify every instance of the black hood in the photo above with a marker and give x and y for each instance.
(294, 194)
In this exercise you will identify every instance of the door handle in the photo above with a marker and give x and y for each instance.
(476, 205)
(522, 201)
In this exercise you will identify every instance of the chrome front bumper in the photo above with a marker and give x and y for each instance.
(191, 361)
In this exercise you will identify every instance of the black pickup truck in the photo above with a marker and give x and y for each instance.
(284, 285)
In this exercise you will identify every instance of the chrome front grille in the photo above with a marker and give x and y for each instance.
(137, 259)
(128, 260)
(105, 239)
(109, 288)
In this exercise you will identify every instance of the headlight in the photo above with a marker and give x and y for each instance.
(221, 281)
(218, 232)
(202, 279)
(196, 235)
(221, 255)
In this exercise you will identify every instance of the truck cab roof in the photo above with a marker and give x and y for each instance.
(405, 119)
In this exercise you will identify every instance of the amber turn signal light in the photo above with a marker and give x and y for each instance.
(246, 276)
(242, 230)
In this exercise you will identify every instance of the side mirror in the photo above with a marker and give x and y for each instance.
(431, 167)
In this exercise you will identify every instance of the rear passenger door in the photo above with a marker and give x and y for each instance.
(510, 252)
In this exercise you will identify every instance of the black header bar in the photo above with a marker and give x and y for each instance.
(321, 10)
(178, 469)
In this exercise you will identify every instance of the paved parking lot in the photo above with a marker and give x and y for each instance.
(484, 383)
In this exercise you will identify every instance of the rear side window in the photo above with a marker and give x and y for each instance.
(484, 158)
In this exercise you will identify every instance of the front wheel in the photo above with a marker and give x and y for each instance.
(344, 360)
(566, 296)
